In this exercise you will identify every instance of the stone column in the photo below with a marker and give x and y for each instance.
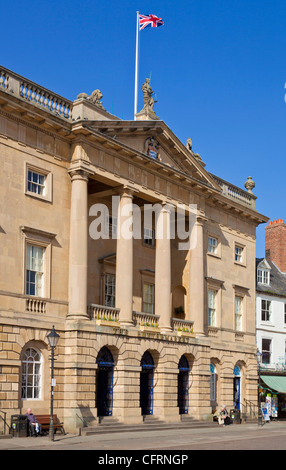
(78, 245)
(163, 303)
(197, 281)
(124, 258)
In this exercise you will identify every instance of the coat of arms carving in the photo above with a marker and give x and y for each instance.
(152, 148)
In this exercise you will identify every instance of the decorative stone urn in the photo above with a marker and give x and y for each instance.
(249, 184)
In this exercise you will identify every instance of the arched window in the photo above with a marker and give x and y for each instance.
(179, 301)
(213, 383)
(236, 387)
(31, 374)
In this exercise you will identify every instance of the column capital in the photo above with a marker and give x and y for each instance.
(201, 217)
(126, 191)
(168, 206)
(80, 171)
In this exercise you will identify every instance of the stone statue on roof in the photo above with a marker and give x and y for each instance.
(189, 146)
(95, 98)
(148, 95)
(147, 112)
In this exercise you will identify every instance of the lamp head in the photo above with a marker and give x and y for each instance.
(259, 356)
(53, 338)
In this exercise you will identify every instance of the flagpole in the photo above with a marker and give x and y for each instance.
(136, 66)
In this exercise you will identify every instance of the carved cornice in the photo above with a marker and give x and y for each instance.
(31, 231)
(214, 281)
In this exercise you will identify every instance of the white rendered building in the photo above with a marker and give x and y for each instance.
(271, 315)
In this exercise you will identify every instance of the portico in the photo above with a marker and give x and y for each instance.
(84, 185)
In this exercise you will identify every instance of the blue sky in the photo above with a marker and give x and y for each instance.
(218, 68)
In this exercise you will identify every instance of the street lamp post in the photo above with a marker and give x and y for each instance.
(53, 339)
(260, 416)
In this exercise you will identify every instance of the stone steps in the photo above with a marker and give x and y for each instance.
(6, 436)
(148, 424)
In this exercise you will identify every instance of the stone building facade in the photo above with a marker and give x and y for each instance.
(148, 326)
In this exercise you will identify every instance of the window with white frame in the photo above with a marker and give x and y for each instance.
(148, 298)
(212, 245)
(31, 374)
(238, 306)
(263, 276)
(38, 182)
(238, 254)
(212, 307)
(35, 270)
(266, 350)
(265, 310)
(149, 236)
(109, 290)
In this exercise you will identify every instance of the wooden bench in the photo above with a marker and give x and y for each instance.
(44, 420)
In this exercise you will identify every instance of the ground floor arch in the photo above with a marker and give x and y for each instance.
(183, 385)
(104, 382)
(147, 383)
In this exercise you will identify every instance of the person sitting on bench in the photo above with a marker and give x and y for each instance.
(34, 426)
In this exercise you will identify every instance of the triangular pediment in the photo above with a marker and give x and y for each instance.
(155, 140)
(264, 265)
(175, 153)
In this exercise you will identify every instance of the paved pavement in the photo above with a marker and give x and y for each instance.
(271, 436)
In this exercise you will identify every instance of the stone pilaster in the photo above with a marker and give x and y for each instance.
(126, 393)
(166, 394)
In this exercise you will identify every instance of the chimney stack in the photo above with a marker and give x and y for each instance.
(275, 243)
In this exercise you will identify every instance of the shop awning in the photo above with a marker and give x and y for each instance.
(275, 382)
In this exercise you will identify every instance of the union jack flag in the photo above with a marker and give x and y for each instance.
(149, 20)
